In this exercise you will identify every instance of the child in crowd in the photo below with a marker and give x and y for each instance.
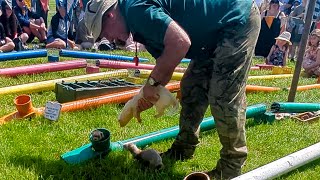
(30, 22)
(11, 27)
(311, 60)
(57, 34)
(279, 52)
(6, 43)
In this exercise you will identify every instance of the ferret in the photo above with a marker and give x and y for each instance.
(149, 157)
(165, 100)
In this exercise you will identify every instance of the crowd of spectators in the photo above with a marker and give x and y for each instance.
(26, 21)
(282, 26)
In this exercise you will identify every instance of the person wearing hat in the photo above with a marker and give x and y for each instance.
(279, 52)
(219, 37)
(311, 60)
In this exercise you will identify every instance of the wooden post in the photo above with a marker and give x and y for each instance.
(302, 48)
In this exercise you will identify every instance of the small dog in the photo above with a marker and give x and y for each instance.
(130, 109)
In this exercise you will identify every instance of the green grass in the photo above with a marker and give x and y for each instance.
(31, 148)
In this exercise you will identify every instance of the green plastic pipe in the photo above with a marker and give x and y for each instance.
(291, 107)
(86, 152)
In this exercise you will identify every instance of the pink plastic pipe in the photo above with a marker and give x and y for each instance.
(128, 65)
(42, 68)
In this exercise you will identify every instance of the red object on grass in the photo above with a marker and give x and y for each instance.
(136, 60)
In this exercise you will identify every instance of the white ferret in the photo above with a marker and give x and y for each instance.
(165, 100)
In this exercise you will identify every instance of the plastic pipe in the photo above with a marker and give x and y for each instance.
(253, 88)
(85, 152)
(128, 65)
(185, 60)
(114, 98)
(50, 84)
(254, 68)
(42, 68)
(145, 74)
(178, 76)
(307, 87)
(23, 55)
(291, 107)
(90, 55)
(281, 76)
(283, 165)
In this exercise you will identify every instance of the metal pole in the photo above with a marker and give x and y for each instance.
(302, 48)
(66, 21)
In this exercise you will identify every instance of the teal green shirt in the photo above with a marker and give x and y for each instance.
(148, 20)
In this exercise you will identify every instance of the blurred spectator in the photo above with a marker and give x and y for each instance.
(73, 12)
(259, 3)
(272, 24)
(30, 22)
(41, 8)
(279, 52)
(295, 4)
(286, 6)
(83, 4)
(11, 27)
(85, 40)
(264, 6)
(6, 43)
(57, 34)
(296, 27)
(316, 14)
(311, 60)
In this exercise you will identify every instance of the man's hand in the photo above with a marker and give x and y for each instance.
(150, 96)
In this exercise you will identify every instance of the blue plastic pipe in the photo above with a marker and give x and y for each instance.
(23, 55)
(91, 55)
(85, 152)
(185, 60)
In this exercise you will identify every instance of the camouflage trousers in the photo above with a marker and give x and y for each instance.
(220, 82)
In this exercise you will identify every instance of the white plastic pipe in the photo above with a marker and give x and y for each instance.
(283, 165)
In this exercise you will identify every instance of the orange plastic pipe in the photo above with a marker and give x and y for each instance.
(120, 97)
(307, 87)
(253, 88)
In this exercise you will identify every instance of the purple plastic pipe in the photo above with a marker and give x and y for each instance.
(42, 68)
(128, 65)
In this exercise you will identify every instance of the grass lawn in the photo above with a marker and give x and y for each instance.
(31, 148)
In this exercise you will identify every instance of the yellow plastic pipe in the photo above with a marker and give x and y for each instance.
(145, 74)
(178, 76)
(270, 77)
(50, 84)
